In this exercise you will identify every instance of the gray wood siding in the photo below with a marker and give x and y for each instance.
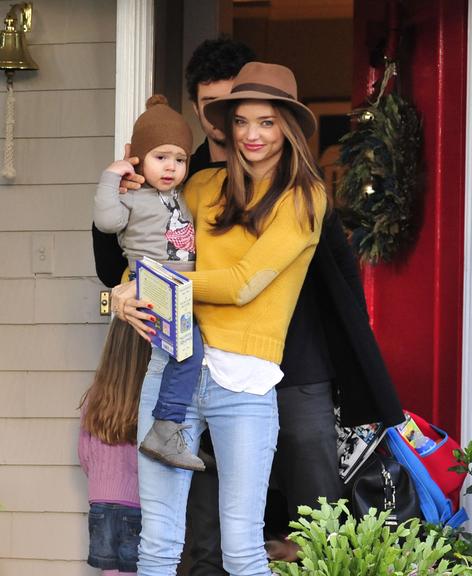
(51, 332)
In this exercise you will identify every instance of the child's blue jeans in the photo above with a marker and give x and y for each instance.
(114, 536)
(179, 381)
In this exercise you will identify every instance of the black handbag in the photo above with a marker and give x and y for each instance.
(384, 484)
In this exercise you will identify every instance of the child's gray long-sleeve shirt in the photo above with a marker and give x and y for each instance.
(147, 222)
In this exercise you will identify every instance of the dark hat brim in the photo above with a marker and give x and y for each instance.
(215, 111)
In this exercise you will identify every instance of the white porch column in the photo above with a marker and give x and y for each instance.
(466, 434)
(134, 65)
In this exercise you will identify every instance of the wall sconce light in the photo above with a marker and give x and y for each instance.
(14, 55)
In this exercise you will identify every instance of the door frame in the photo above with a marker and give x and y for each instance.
(134, 65)
(466, 428)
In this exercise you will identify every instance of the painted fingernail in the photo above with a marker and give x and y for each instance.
(152, 319)
(150, 306)
(153, 332)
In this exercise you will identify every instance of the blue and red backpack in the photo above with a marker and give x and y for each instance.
(437, 487)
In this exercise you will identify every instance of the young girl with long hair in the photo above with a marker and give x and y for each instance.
(257, 226)
(107, 451)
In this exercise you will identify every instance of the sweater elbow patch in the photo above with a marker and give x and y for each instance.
(255, 286)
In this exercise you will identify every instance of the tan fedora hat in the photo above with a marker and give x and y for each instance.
(261, 81)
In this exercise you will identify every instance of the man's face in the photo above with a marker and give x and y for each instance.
(206, 93)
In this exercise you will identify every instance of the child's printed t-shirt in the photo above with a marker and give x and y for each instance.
(147, 222)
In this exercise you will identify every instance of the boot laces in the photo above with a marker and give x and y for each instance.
(181, 444)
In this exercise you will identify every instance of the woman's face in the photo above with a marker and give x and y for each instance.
(257, 135)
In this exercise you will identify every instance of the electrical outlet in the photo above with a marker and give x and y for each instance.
(43, 253)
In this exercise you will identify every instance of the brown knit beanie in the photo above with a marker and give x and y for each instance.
(159, 125)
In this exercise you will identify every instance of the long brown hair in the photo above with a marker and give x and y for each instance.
(111, 403)
(296, 170)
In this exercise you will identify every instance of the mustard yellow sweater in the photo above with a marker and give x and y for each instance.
(245, 288)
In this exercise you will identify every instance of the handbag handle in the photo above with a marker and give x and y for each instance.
(389, 496)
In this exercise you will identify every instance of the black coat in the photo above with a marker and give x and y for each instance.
(363, 386)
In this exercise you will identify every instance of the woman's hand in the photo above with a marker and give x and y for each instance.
(125, 305)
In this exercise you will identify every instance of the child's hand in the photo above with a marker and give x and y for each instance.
(121, 167)
(131, 181)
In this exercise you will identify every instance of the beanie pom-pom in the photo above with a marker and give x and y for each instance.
(156, 99)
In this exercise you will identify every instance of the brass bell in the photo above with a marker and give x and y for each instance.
(14, 54)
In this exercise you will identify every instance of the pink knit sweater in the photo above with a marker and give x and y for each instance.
(112, 471)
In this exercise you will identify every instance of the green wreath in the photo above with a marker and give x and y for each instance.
(376, 197)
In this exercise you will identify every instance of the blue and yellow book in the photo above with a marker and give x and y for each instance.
(170, 293)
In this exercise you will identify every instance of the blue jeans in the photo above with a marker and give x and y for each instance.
(244, 430)
(114, 536)
(179, 381)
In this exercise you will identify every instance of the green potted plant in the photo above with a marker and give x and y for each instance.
(333, 543)
(464, 463)
(458, 538)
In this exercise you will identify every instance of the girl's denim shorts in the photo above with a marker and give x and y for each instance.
(114, 537)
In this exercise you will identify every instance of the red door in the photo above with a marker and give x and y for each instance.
(416, 304)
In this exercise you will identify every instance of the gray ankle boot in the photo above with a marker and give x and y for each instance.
(165, 442)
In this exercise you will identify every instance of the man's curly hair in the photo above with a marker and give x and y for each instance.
(216, 59)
